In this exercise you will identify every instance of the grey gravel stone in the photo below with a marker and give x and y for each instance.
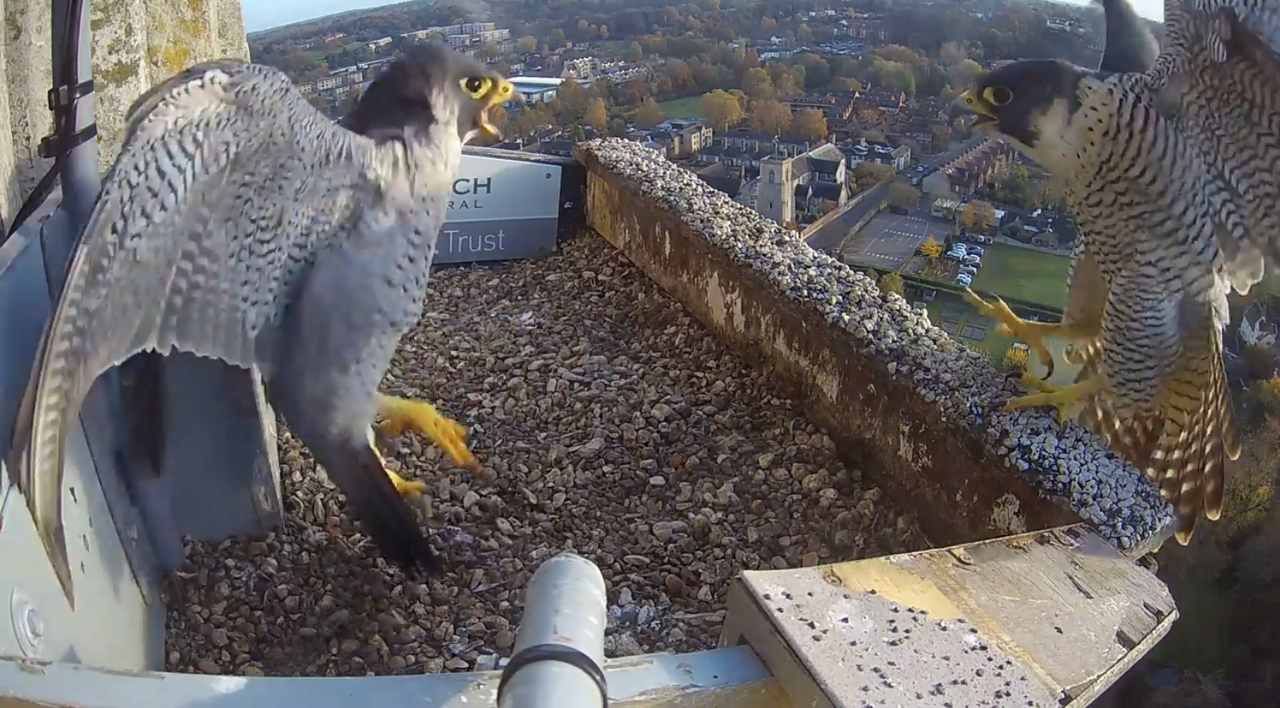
(1063, 462)
(747, 480)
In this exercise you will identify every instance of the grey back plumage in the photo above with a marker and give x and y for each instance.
(228, 185)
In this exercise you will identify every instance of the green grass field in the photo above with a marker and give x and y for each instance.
(1023, 273)
(687, 108)
(954, 309)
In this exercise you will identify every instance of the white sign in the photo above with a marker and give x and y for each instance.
(501, 209)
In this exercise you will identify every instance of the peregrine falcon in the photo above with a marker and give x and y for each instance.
(240, 223)
(1170, 165)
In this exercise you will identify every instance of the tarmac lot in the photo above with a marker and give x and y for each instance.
(891, 239)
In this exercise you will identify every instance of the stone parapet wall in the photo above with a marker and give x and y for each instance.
(918, 409)
(136, 43)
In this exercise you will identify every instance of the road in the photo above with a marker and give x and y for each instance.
(891, 239)
(828, 238)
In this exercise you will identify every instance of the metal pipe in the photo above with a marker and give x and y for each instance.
(559, 649)
(80, 178)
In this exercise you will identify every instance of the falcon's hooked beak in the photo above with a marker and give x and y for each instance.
(975, 104)
(501, 92)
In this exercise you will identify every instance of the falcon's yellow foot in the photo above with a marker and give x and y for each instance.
(1066, 399)
(1009, 324)
(406, 489)
(395, 415)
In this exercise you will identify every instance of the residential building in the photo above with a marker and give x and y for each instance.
(682, 138)
(973, 170)
(835, 105)
(862, 150)
(793, 189)
(536, 89)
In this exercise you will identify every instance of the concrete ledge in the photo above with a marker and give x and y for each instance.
(919, 410)
(720, 677)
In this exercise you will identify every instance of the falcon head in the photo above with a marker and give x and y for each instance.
(1029, 103)
(428, 85)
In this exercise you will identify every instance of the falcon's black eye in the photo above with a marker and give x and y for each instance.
(476, 86)
(997, 95)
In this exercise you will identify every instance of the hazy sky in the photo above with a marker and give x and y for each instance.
(265, 14)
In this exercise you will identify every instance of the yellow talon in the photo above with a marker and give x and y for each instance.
(395, 415)
(406, 489)
(1066, 399)
(1009, 324)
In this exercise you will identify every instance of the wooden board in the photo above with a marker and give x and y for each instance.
(1059, 615)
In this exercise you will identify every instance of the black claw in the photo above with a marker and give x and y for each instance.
(379, 508)
(1048, 368)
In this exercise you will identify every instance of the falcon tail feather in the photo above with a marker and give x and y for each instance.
(1189, 462)
(375, 502)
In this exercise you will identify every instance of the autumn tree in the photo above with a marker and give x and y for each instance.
(527, 43)
(978, 215)
(596, 114)
(722, 110)
(903, 196)
(847, 83)
(873, 136)
(788, 84)
(952, 53)
(649, 114)
(964, 73)
(891, 283)
(770, 117)
(570, 101)
(868, 173)
(939, 139)
(809, 124)
(557, 38)
(757, 84)
(530, 120)
(931, 249)
(635, 52)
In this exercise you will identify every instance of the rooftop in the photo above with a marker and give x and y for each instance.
(537, 80)
(710, 412)
(609, 421)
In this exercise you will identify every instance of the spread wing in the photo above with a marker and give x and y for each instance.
(227, 183)
(1130, 45)
(1221, 73)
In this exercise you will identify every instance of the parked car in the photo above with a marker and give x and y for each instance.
(970, 270)
(973, 260)
(964, 280)
(955, 255)
(975, 250)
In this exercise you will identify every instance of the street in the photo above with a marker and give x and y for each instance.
(891, 239)
(828, 238)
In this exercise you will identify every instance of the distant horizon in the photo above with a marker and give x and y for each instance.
(263, 15)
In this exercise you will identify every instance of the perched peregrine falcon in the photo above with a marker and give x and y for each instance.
(1170, 166)
(240, 223)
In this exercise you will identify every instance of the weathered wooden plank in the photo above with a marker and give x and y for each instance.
(1044, 618)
